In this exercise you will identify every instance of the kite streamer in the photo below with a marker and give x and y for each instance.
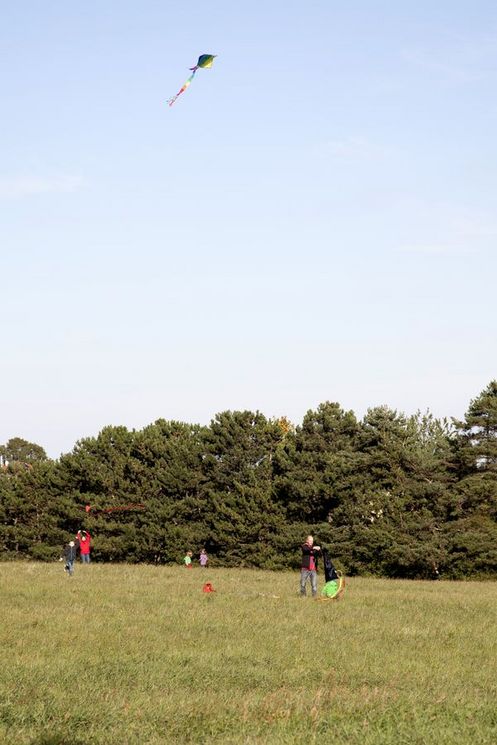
(204, 61)
(120, 508)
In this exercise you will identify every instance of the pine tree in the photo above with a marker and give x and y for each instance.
(19, 452)
(476, 455)
(313, 468)
(471, 534)
(242, 520)
(391, 522)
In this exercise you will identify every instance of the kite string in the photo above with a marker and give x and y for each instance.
(184, 86)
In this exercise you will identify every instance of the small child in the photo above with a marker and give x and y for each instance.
(203, 558)
(70, 557)
(188, 560)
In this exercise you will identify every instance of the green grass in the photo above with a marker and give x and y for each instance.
(138, 654)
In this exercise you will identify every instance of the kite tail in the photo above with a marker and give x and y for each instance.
(184, 86)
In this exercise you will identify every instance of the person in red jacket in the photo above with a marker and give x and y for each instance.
(84, 541)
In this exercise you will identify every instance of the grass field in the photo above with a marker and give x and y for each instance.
(138, 654)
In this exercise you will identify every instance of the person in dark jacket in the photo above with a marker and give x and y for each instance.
(309, 566)
(70, 557)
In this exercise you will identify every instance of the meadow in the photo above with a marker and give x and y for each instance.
(123, 654)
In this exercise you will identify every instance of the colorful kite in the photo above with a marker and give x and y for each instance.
(333, 589)
(204, 61)
(335, 583)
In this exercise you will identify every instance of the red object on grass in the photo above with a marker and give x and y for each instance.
(208, 587)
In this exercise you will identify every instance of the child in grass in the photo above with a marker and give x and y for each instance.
(69, 557)
(203, 558)
(188, 560)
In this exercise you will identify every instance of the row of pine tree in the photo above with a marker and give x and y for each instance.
(391, 495)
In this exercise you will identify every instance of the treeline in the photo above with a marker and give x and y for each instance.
(396, 495)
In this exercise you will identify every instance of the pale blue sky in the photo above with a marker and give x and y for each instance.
(315, 219)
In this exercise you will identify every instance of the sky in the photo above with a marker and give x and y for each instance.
(313, 220)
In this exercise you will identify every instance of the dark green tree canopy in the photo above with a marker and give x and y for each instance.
(475, 455)
(478, 432)
(17, 450)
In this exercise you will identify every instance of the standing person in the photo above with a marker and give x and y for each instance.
(70, 557)
(84, 540)
(188, 560)
(309, 566)
(203, 558)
